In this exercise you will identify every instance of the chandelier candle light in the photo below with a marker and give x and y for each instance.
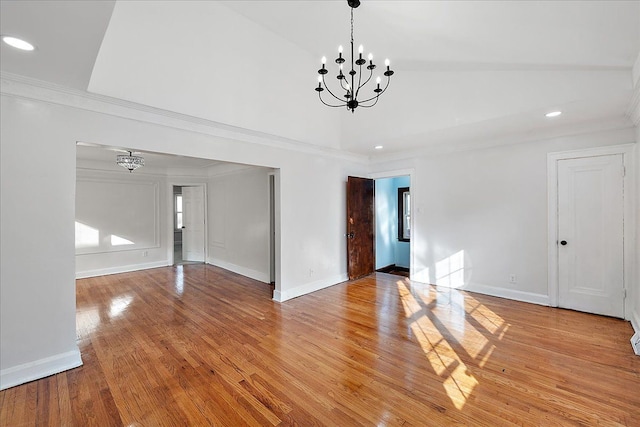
(352, 90)
(129, 161)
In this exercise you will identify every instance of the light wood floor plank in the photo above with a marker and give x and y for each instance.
(198, 345)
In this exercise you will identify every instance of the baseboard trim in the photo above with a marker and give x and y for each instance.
(635, 339)
(41, 368)
(513, 294)
(307, 288)
(260, 276)
(120, 269)
(386, 268)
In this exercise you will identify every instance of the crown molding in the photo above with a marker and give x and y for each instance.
(28, 88)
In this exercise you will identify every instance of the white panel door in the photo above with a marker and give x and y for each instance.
(590, 234)
(193, 224)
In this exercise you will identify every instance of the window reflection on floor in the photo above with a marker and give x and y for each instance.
(119, 304)
(469, 322)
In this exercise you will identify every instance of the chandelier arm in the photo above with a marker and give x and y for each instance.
(329, 105)
(386, 86)
(379, 93)
(361, 103)
(329, 90)
(368, 106)
(342, 84)
(366, 81)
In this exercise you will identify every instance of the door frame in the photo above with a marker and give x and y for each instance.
(274, 245)
(171, 213)
(629, 219)
(413, 185)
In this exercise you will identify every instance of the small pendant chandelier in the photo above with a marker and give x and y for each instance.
(129, 161)
(358, 78)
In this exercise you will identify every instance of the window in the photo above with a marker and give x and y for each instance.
(178, 213)
(404, 214)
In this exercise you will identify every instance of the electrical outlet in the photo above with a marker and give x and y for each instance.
(145, 253)
(513, 278)
(311, 272)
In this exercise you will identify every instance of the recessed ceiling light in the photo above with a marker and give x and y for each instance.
(17, 43)
(553, 114)
(378, 147)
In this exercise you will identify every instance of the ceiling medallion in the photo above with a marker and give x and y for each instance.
(358, 78)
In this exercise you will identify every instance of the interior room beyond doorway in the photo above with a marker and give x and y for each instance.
(393, 225)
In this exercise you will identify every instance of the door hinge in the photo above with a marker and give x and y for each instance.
(624, 171)
(624, 293)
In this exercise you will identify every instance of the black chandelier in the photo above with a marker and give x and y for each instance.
(352, 90)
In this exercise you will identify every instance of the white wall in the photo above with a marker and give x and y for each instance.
(636, 314)
(102, 204)
(480, 216)
(37, 259)
(37, 286)
(238, 221)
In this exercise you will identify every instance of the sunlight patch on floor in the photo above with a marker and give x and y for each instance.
(476, 334)
(487, 318)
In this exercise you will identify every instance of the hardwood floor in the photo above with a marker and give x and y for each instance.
(197, 345)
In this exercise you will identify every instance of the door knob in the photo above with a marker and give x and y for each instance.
(350, 235)
(563, 242)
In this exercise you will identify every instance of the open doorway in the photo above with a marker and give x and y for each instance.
(188, 224)
(393, 225)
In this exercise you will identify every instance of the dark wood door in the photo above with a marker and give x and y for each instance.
(360, 227)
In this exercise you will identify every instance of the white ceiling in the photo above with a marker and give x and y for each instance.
(67, 36)
(465, 71)
(463, 35)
